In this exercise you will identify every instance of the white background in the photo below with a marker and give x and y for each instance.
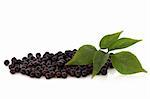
(44, 25)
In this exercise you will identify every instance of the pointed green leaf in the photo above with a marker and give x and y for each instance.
(83, 56)
(107, 40)
(100, 58)
(123, 43)
(126, 63)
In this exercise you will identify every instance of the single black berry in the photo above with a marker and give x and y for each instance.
(13, 60)
(28, 70)
(49, 62)
(39, 68)
(68, 59)
(50, 55)
(44, 72)
(103, 71)
(38, 74)
(19, 61)
(44, 59)
(64, 74)
(6, 62)
(54, 58)
(78, 73)
(61, 62)
(72, 72)
(51, 68)
(59, 53)
(110, 65)
(12, 71)
(60, 57)
(46, 55)
(84, 73)
(17, 68)
(38, 55)
(47, 76)
(23, 71)
(32, 74)
(11, 66)
(69, 53)
(58, 74)
(30, 55)
(24, 59)
(52, 74)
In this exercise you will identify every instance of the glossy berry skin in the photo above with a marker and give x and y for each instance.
(13, 60)
(84, 73)
(44, 72)
(58, 74)
(38, 55)
(61, 62)
(110, 65)
(54, 58)
(69, 53)
(64, 74)
(39, 68)
(52, 68)
(103, 71)
(19, 61)
(68, 59)
(24, 59)
(30, 55)
(52, 74)
(59, 53)
(46, 55)
(11, 66)
(6, 62)
(28, 71)
(72, 72)
(17, 68)
(60, 57)
(49, 62)
(47, 76)
(23, 71)
(38, 74)
(32, 74)
(78, 73)
(12, 71)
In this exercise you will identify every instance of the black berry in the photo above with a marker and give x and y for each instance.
(32, 74)
(58, 74)
(78, 73)
(84, 73)
(103, 71)
(47, 76)
(64, 74)
(12, 71)
(38, 55)
(6, 62)
(23, 71)
(38, 74)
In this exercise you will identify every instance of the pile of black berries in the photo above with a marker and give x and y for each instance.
(52, 65)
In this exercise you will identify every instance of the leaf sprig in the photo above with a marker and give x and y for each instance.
(124, 62)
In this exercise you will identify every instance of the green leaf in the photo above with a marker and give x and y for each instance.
(123, 43)
(83, 56)
(100, 58)
(126, 63)
(107, 40)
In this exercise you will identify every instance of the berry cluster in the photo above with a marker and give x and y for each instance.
(52, 65)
